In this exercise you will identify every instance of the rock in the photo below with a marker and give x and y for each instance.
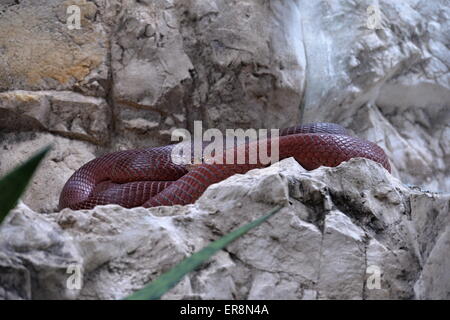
(342, 263)
(388, 81)
(254, 77)
(42, 194)
(204, 61)
(36, 260)
(66, 114)
(433, 246)
(350, 232)
(40, 52)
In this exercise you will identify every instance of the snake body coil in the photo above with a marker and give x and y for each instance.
(149, 178)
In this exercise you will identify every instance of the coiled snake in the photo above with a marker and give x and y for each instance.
(149, 177)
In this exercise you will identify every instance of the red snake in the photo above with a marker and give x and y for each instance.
(149, 178)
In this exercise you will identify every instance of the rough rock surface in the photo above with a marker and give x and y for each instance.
(39, 51)
(66, 114)
(389, 83)
(339, 229)
(137, 70)
(65, 157)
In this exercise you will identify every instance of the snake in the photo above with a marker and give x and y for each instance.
(149, 177)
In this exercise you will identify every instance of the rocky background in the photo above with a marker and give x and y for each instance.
(138, 69)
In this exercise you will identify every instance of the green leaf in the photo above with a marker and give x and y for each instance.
(14, 183)
(168, 280)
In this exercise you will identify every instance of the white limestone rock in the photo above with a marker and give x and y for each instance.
(338, 229)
